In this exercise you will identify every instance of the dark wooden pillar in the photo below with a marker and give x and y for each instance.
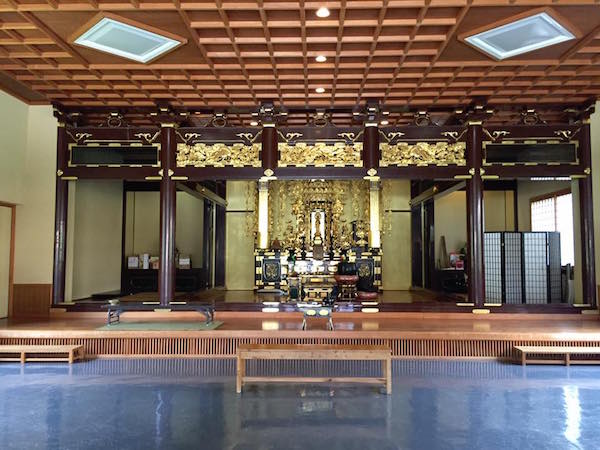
(60, 220)
(220, 224)
(475, 269)
(166, 273)
(586, 211)
(371, 152)
(269, 154)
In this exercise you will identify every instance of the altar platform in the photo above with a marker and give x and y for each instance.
(409, 334)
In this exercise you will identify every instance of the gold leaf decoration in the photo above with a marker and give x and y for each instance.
(148, 137)
(218, 155)
(423, 153)
(320, 154)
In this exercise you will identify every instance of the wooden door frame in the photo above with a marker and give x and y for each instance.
(11, 260)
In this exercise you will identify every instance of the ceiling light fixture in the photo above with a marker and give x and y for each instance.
(254, 123)
(112, 34)
(320, 90)
(321, 58)
(384, 122)
(323, 12)
(521, 35)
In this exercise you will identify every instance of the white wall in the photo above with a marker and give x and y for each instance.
(450, 217)
(13, 146)
(35, 212)
(498, 210)
(5, 238)
(189, 229)
(96, 230)
(143, 225)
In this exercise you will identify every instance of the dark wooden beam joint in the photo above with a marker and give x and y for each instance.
(269, 154)
(475, 217)
(166, 273)
(371, 151)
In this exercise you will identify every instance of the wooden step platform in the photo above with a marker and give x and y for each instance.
(566, 352)
(314, 352)
(24, 353)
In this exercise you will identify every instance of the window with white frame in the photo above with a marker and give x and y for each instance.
(554, 212)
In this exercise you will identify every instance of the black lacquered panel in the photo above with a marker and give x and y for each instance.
(122, 155)
(531, 153)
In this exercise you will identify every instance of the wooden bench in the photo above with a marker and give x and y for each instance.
(322, 352)
(66, 353)
(525, 350)
(115, 310)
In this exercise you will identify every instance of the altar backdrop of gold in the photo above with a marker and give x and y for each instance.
(354, 195)
(396, 259)
(240, 241)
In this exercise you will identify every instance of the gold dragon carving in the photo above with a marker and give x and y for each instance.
(423, 153)
(320, 154)
(218, 155)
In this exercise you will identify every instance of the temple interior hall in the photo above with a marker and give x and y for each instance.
(299, 225)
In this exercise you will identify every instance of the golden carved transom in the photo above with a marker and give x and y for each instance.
(320, 154)
(423, 153)
(218, 155)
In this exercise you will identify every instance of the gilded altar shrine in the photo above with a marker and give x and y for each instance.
(305, 228)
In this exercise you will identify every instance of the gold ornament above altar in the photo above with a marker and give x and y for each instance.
(423, 153)
(318, 215)
(320, 154)
(218, 155)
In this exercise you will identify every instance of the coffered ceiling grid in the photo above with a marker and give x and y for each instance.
(242, 53)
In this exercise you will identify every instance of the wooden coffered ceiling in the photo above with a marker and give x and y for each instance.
(241, 53)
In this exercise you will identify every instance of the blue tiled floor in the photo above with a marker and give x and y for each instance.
(146, 404)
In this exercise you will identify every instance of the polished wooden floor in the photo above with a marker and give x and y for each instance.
(523, 325)
(221, 295)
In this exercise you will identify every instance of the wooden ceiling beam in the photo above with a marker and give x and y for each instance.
(372, 49)
(195, 38)
(338, 50)
(29, 17)
(267, 36)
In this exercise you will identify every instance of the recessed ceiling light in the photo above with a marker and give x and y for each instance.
(138, 42)
(321, 58)
(254, 123)
(322, 12)
(520, 36)
(320, 90)
(384, 122)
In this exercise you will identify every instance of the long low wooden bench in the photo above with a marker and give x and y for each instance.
(320, 352)
(115, 310)
(566, 352)
(24, 353)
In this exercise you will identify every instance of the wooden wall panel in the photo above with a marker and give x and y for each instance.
(31, 299)
(225, 347)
